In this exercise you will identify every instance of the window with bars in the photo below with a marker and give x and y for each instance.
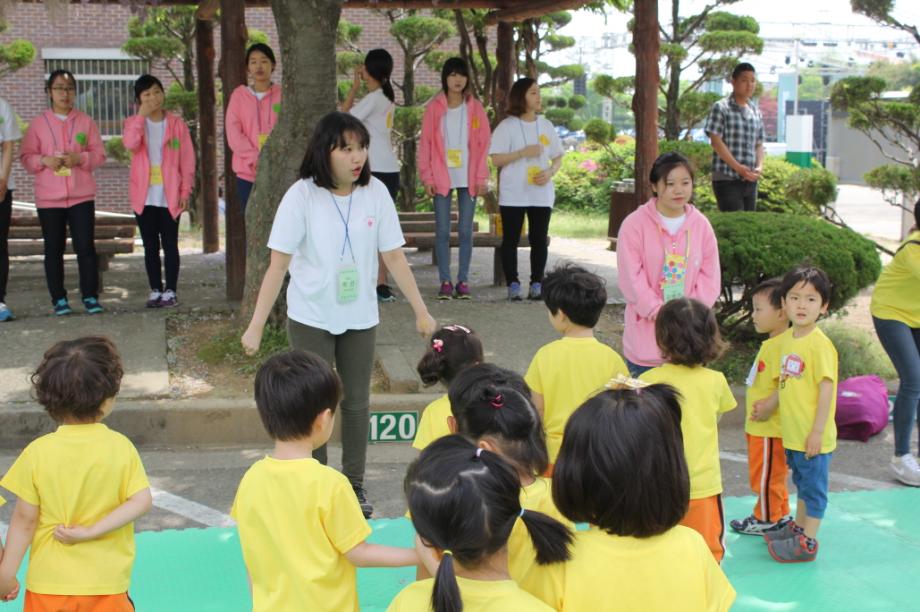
(105, 83)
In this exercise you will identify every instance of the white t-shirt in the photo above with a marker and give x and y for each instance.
(513, 134)
(309, 225)
(258, 94)
(672, 224)
(155, 132)
(376, 112)
(9, 130)
(456, 136)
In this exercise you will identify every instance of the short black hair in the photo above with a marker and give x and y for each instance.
(264, 50)
(292, 389)
(742, 67)
(329, 133)
(60, 72)
(580, 294)
(771, 287)
(143, 83)
(622, 466)
(455, 65)
(665, 163)
(491, 402)
(809, 275)
(452, 349)
(687, 333)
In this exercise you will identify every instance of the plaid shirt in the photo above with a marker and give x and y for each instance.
(741, 129)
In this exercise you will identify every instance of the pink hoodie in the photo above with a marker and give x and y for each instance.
(432, 158)
(247, 118)
(48, 135)
(178, 165)
(641, 246)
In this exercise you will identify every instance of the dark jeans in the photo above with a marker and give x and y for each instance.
(636, 370)
(537, 233)
(6, 213)
(391, 180)
(159, 228)
(352, 354)
(81, 218)
(243, 189)
(733, 196)
(902, 343)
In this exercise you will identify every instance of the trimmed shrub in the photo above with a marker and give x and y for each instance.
(754, 246)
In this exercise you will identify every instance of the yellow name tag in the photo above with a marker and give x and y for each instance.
(156, 175)
(454, 158)
(62, 171)
(262, 139)
(532, 172)
(544, 140)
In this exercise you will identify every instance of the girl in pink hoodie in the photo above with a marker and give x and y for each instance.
(666, 249)
(251, 114)
(162, 178)
(62, 148)
(452, 156)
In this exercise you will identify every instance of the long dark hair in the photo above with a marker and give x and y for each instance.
(379, 64)
(328, 134)
(464, 501)
(452, 349)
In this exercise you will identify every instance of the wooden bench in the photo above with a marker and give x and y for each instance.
(113, 235)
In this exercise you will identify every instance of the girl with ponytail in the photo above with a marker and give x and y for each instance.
(376, 111)
(451, 350)
(465, 502)
(492, 405)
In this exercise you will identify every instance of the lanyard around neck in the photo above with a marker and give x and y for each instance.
(51, 129)
(536, 129)
(345, 219)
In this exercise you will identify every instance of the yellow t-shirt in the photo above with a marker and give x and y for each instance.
(522, 558)
(705, 395)
(895, 294)
(671, 571)
(476, 595)
(297, 519)
(804, 363)
(76, 476)
(433, 424)
(566, 372)
(761, 383)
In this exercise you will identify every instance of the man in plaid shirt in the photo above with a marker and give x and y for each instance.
(735, 130)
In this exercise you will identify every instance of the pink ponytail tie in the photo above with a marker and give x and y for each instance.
(438, 345)
(498, 402)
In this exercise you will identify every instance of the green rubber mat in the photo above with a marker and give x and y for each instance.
(869, 557)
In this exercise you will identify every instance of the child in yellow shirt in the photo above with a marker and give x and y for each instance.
(491, 405)
(808, 397)
(564, 373)
(82, 473)
(622, 470)
(464, 501)
(688, 337)
(452, 349)
(766, 455)
(301, 528)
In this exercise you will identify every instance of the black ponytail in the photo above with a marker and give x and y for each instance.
(379, 64)
(465, 501)
(451, 350)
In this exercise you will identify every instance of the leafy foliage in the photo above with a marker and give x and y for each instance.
(14, 55)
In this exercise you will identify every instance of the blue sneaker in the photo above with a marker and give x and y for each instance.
(92, 305)
(514, 292)
(5, 313)
(61, 307)
(536, 291)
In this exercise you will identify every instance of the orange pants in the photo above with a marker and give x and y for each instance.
(767, 465)
(705, 515)
(36, 602)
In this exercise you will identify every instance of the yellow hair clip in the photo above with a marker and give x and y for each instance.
(625, 382)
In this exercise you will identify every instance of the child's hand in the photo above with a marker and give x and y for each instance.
(10, 588)
(813, 444)
(759, 410)
(73, 535)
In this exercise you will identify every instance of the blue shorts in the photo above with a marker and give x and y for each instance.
(810, 479)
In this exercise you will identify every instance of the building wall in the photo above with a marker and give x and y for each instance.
(850, 153)
(105, 27)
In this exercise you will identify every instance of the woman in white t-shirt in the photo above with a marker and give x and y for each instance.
(527, 149)
(376, 111)
(328, 231)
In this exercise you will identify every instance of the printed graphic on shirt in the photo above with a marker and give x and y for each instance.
(81, 138)
(475, 123)
(174, 143)
(276, 107)
(544, 140)
(390, 120)
(756, 368)
(791, 366)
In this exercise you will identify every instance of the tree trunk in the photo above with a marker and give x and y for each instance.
(306, 31)
(207, 131)
(529, 37)
(188, 83)
(233, 74)
(505, 66)
(407, 172)
(672, 98)
(645, 99)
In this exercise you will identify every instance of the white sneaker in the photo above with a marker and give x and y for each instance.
(906, 470)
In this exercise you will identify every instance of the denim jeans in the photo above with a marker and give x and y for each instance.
(467, 206)
(902, 343)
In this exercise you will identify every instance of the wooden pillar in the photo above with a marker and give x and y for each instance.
(233, 73)
(505, 65)
(645, 100)
(207, 134)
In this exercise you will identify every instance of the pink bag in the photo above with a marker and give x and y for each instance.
(862, 407)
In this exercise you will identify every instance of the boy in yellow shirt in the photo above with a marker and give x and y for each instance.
(301, 528)
(565, 372)
(79, 489)
(766, 455)
(808, 396)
